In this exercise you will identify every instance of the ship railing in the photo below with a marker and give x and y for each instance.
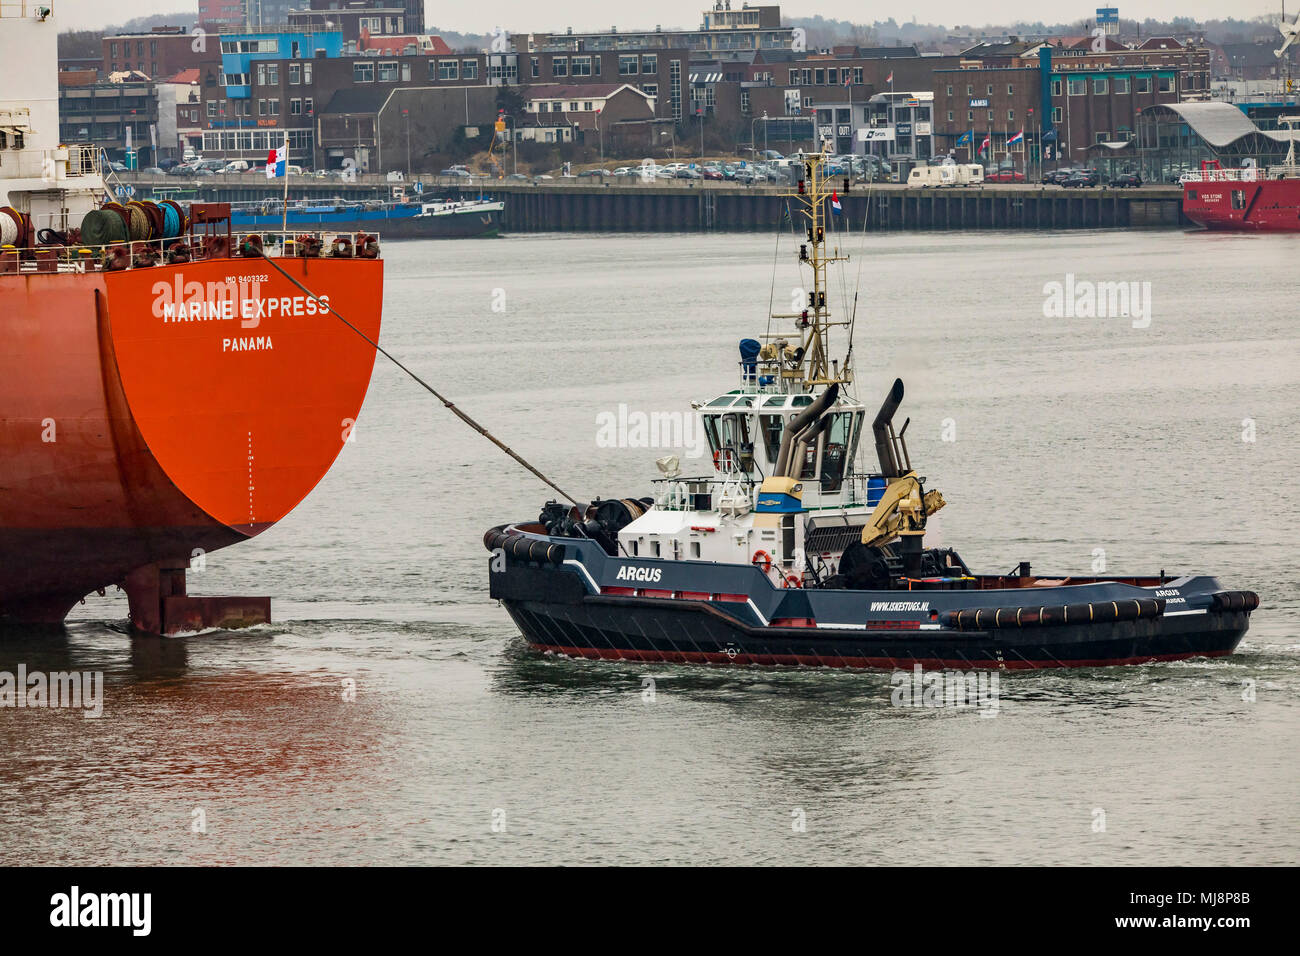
(147, 253)
(762, 380)
(704, 493)
(1246, 175)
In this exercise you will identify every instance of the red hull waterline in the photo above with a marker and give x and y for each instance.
(151, 415)
(1263, 205)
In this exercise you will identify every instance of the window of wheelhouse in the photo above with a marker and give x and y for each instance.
(771, 427)
(711, 432)
(837, 451)
(734, 434)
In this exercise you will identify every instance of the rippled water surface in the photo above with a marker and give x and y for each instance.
(1071, 435)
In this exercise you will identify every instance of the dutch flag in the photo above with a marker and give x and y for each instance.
(1018, 138)
(835, 204)
(276, 162)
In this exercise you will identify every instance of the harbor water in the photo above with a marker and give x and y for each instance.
(392, 714)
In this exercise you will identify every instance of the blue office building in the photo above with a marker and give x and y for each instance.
(239, 50)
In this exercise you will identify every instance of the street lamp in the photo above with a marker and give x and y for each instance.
(407, 114)
(601, 133)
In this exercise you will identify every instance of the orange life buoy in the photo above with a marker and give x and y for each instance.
(762, 560)
(723, 455)
(793, 581)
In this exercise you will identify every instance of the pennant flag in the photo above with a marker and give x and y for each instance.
(846, 78)
(835, 204)
(1049, 136)
(1018, 138)
(964, 138)
(276, 162)
(890, 78)
(984, 147)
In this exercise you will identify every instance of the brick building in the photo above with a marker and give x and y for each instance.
(162, 52)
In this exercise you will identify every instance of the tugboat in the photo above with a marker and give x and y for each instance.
(790, 553)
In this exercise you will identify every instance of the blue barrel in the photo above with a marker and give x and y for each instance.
(875, 489)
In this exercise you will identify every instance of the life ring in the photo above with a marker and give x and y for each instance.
(762, 560)
(793, 581)
(724, 455)
(342, 247)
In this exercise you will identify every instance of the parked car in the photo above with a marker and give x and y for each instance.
(689, 173)
(235, 166)
(457, 172)
(746, 175)
(1004, 176)
(256, 168)
(183, 169)
(1127, 181)
(154, 171)
(1057, 177)
(1082, 178)
(770, 154)
(168, 163)
(518, 177)
(713, 174)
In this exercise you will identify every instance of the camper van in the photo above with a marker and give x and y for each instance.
(949, 174)
(922, 176)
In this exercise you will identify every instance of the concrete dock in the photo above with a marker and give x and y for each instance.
(623, 205)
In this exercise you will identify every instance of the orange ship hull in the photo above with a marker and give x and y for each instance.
(153, 414)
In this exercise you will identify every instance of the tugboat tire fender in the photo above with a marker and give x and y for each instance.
(1097, 612)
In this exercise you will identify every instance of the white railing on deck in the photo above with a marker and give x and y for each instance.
(1247, 174)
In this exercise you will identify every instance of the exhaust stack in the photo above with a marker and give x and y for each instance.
(887, 450)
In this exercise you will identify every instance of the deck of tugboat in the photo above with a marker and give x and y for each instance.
(746, 592)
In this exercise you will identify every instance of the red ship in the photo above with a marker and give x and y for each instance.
(165, 389)
(1245, 199)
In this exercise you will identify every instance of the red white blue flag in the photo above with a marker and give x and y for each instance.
(835, 204)
(1018, 138)
(276, 162)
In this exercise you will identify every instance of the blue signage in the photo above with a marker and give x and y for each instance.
(1108, 14)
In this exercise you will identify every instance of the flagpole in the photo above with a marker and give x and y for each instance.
(284, 212)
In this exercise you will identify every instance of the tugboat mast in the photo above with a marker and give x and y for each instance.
(810, 365)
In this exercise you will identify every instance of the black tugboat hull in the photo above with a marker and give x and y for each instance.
(628, 630)
(568, 597)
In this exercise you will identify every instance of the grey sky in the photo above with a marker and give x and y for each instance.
(524, 15)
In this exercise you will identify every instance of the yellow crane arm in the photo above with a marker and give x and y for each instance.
(902, 510)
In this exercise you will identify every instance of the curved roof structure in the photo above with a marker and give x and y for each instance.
(1219, 124)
